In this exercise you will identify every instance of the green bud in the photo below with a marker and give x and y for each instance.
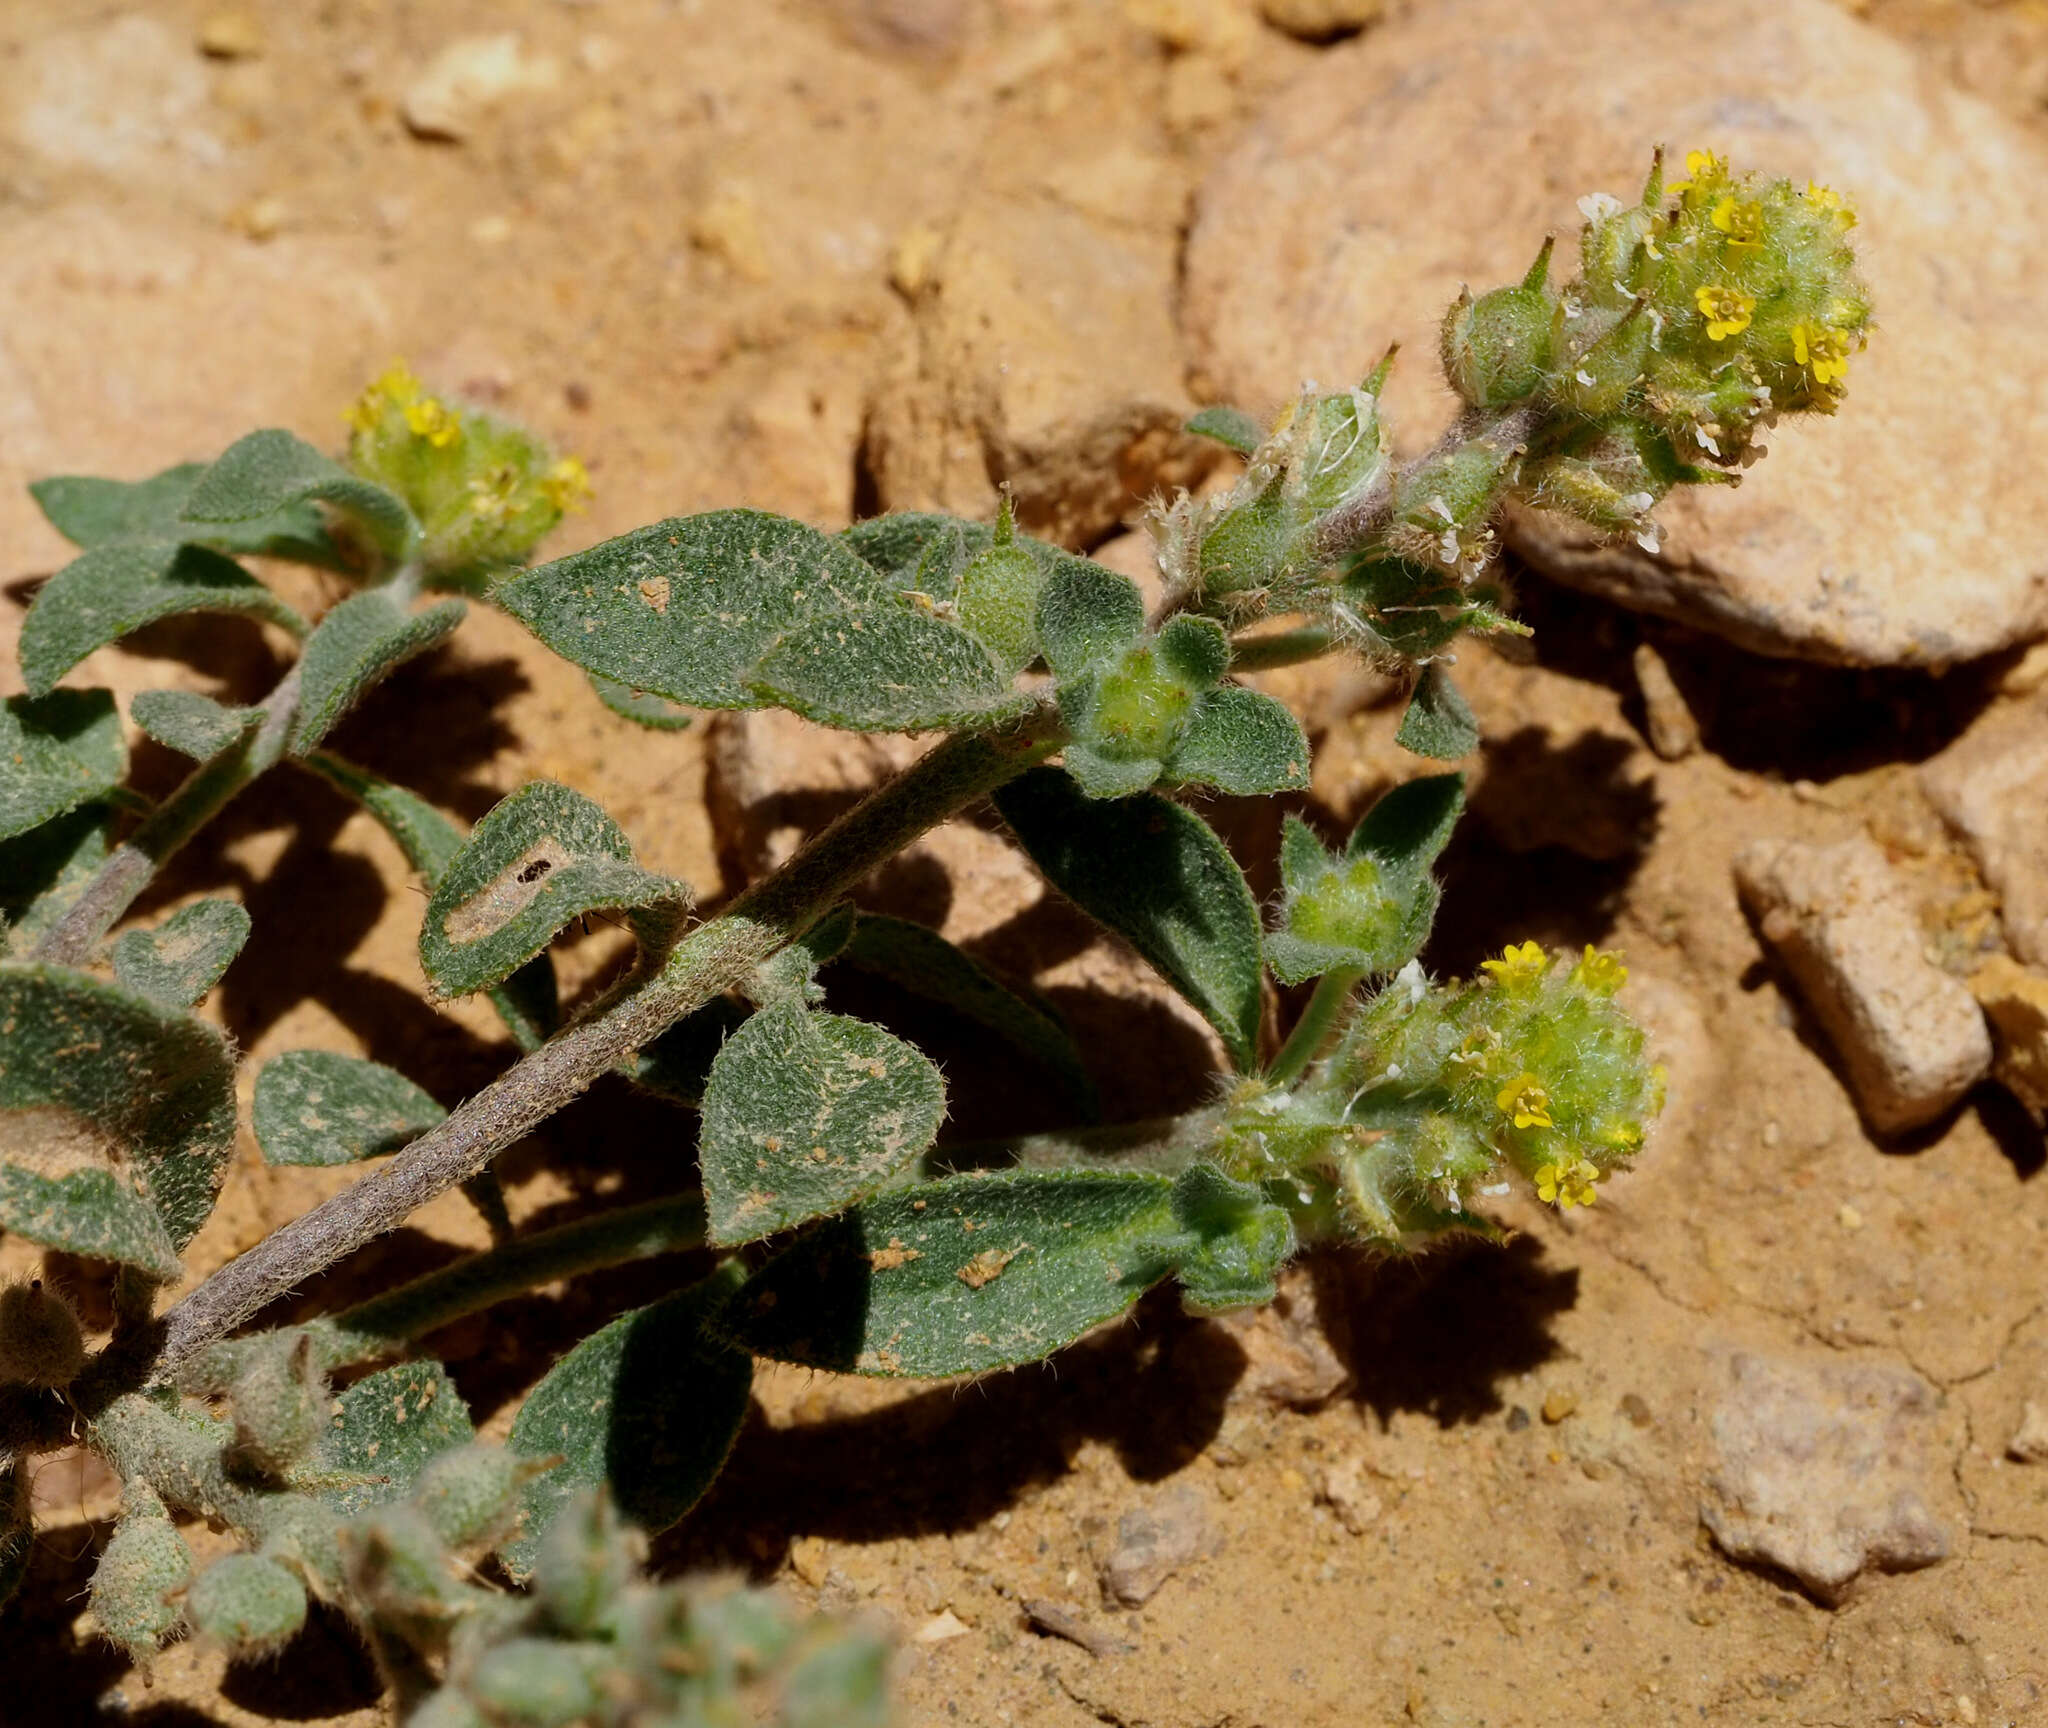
(40, 1342)
(1139, 707)
(538, 1683)
(279, 1400)
(250, 1604)
(143, 1569)
(585, 1560)
(998, 597)
(1601, 375)
(1334, 446)
(401, 1572)
(1249, 545)
(470, 1495)
(1497, 348)
(304, 1534)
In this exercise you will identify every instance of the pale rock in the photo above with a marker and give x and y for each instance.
(930, 30)
(1673, 732)
(1042, 353)
(119, 96)
(1223, 28)
(1153, 1542)
(1439, 150)
(1821, 1470)
(1321, 20)
(1290, 1359)
(1991, 788)
(1909, 1035)
(1343, 1489)
(470, 76)
(2029, 1443)
(2015, 1001)
(230, 36)
(728, 227)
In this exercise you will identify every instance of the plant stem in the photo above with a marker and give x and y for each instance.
(715, 957)
(1159, 1143)
(1281, 648)
(1312, 1031)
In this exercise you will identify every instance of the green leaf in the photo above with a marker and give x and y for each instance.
(183, 957)
(1194, 651)
(364, 639)
(89, 512)
(677, 1065)
(321, 1107)
(43, 871)
(887, 670)
(1232, 427)
(112, 591)
(923, 962)
(526, 1001)
(270, 471)
(191, 724)
(649, 1406)
(56, 751)
(1158, 876)
(807, 1112)
(1086, 614)
(1241, 742)
(1105, 777)
(1408, 828)
(1438, 723)
(920, 550)
(386, 1429)
(117, 1118)
(988, 1270)
(541, 859)
(657, 713)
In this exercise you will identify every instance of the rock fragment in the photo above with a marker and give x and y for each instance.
(1290, 1360)
(1820, 1469)
(2015, 1000)
(2029, 1443)
(468, 76)
(1991, 788)
(1440, 147)
(1321, 20)
(1344, 1490)
(1154, 1541)
(1909, 1035)
(1673, 732)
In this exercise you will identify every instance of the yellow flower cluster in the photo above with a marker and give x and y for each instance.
(1568, 1184)
(1600, 971)
(1524, 1100)
(1522, 963)
(1726, 309)
(1822, 351)
(1742, 221)
(425, 415)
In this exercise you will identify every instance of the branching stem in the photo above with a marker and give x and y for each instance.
(1312, 1031)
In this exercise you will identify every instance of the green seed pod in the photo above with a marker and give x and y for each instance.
(585, 1560)
(305, 1535)
(252, 1605)
(1249, 545)
(401, 1572)
(279, 1399)
(142, 1570)
(539, 1683)
(1606, 371)
(998, 597)
(1334, 445)
(40, 1342)
(470, 1496)
(1497, 348)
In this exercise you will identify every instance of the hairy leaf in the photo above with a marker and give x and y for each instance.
(541, 859)
(923, 962)
(364, 639)
(44, 871)
(886, 670)
(657, 713)
(184, 956)
(987, 1270)
(270, 471)
(1438, 722)
(321, 1107)
(527, 1001)
(1241, 742)
(89, 512)
(191, 724)
(1086, 613)
(677, 1065)
(109, 592)
(1232, 427)
(929, 553)
(117, 1118)
(1158, 876)
(649, 1406)
(56, 751)
(389, 1426)
(807, 1112)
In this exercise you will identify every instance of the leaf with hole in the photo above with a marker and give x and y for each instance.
(117, 1118)
(321, 1107)
(649, 1407)
(89, 511)
(56, 751)
(266, 472)
(184, 956)
(1159, 877)
(112, 591)
(807, 1112)
(541, 859)
(363, 640)
(386, 1429)
(1438, 722)
(191, 724)
(988, 1270)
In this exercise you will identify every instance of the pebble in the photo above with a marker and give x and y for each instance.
(1672, 731)
(1345, 1492)
(1820, 1469)
(2029, 1444)
(1909, 1035)
(1321, 20)
(231, 36)
(471, 74)
(1558, 1405)
(1154, 1541)
(1991, 788)
(2015, 1000)
(941, 1626)
(1439, 149)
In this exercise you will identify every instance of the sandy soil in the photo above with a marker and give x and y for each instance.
(697, 247)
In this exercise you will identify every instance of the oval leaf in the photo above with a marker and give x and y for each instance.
(657, 713)
(112, 590)
(364, 639)
(889, 669)
(1438, 722)
(321, 1107)
(191, 724)
(1230, 427)
(56, 751)
(386, 1429)
(806, 1112)
(273, 470)
(649, 1406)
(1241, 742)
(184, 956)
(1159, 877)
(89, 512)
(541, 859)
(45, 870)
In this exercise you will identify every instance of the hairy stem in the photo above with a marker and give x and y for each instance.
(1281, 648)
(1159, 1143)
(1312, 1031)
(715, 957)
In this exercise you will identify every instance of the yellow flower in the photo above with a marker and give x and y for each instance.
(1522, 964)
(1727, 310)
(394, 389)
(1822, 351)
(1524, 1099)
(1741, 221)
(1708, 172)
(567, 485)
(428, 418)
(1828, 199)
(1600, 971)
(1566, 1184)
(491, 494)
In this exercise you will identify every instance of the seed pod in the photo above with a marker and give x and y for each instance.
(278, 1398)
(304, 1535)
(142, 1569)
(40, 1343)
(252, 1605)
(1497, 348)
(585, 1560)
(470, 1496)
(400, 1570)
(998, 597)
(538, 1683)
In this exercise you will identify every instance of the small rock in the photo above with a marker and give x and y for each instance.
(469, 76)
(1321, 20)
(1216, 27)
(1345, 1492)
(730, 230)
(1991, 788)
(912, 264)
(1290, 1360)
(1154, 1542)
(1517, 1419)
(807, 1560)
(1909, 1035)
(261, 219)
(2015, 1000)
(231, 36)
(1441, 147)
(1820, 1468)
(941, 1626)
(1558, 1405)
(1674, 733)
(2029, 1444)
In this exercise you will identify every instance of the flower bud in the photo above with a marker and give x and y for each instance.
(278, 1398)
(1138, 708)
(40, 1342)
(1497, 348)
(539, 1683)
(1600, 377)
(142, 1570)
(252, 1605)
(997, 598)
(470, 1495)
